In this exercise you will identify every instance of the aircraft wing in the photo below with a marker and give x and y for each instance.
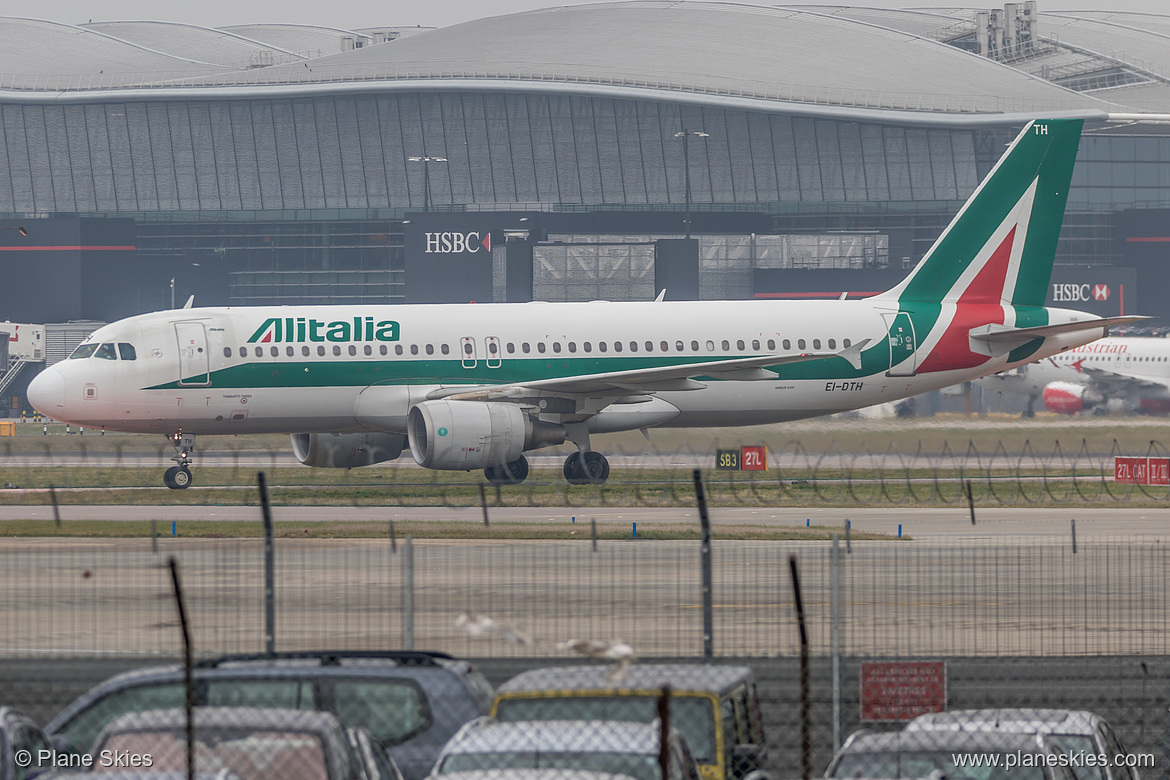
(648, 380)
(1110, 381)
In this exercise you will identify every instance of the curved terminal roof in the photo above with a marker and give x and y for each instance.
(749, 51)
(307, 39)
(826, 59)
(36, 54)
(200, 44)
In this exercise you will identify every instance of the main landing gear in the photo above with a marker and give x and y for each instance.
(584, 467)
(508, 474)
(178, 477)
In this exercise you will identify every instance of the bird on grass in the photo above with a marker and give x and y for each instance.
(483, 626)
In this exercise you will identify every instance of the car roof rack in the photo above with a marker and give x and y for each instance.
(332, 657)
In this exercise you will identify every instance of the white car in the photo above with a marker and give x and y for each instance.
(1072, 731)
(610, 747)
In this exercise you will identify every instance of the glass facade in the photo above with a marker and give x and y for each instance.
(303, 199)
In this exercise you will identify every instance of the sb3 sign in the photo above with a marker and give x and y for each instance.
(753, 458)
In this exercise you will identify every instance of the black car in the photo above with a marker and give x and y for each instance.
(20, 735)
(410, 702)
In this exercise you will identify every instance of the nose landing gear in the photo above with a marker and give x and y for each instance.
(178, 477)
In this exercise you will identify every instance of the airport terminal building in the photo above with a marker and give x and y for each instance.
(719, 150)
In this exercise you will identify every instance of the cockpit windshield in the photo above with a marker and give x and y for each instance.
(126, 351)
(106, 352)
(83, 351)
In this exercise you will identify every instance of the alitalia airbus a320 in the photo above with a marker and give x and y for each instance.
(475, 386)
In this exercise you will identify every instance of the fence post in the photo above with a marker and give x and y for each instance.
(805, 692)
(664, 732)
(1074, 535)
(269, 568)
(835, 636)
(408, 594)
(188, 675)
(705, 555)
(970, 502)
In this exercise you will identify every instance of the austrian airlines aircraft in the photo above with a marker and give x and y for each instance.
(1130, 373)
(475, 386)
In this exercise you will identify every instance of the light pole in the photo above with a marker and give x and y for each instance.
(684, 135)
(426, 161)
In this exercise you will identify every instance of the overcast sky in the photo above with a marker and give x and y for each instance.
(351, 14)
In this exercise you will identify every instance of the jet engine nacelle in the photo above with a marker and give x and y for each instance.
(1066, 398)
(346, 450)
(474, 434)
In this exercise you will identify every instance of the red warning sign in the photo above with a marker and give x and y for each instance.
(902, 690)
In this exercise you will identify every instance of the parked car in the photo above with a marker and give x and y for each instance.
(409, 702)
(19, 732)
(376, 763)
(627, 749)
(715, 707)
(940, 754)
(1072, 731)
(250, 743)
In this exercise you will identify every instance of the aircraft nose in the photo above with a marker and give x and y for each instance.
(46, 392)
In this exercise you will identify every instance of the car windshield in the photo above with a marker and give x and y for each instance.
(83, 351)
(235, 752)
(1079, 744)
(640, 767)
(691, 715)
(920, 764)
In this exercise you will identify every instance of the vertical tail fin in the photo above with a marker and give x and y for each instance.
(999, 247)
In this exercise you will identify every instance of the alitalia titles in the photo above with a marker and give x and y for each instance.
(301, 329)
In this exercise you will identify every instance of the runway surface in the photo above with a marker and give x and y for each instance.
(1013, 584)
(993, 525)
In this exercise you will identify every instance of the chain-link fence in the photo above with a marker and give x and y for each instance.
(894, 629)
(1013, 471)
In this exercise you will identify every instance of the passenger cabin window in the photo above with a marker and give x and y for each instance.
(367, 349)
(771, 344)
(832, 343)
(243, 352)
(259, 351)
(227, 352)
(106, 352)
(540, 347)
(336, 349)
(382, 349)
(430, 349)
(397, 349)
(617, 346)
(84, 351)
(304, 351)
(126, 351)
(274, 351)
(816, 343)
(414, 348)
(289, 351)
(845, 343)
(787, 344)
(321, 351)
(556, 346)
(800, 344)
(739, 345)
(352, 350)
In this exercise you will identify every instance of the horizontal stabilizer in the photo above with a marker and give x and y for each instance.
(1003, 338)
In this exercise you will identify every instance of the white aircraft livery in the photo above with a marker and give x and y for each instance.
(1122, 374)
(475, 386)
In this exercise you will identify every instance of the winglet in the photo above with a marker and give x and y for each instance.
(190, 302)
(853, 353)
(661, 296)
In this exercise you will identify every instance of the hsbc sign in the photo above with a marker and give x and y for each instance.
(1076, 293)
(458, 243)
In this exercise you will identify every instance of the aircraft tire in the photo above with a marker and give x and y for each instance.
(595, 467)
(177, 478)
(586, 468)
(509, 473)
